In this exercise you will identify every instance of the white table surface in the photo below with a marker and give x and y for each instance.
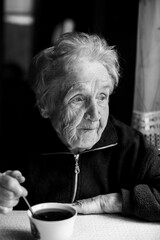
(15, 226)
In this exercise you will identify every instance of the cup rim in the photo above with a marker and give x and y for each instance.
(41, 206)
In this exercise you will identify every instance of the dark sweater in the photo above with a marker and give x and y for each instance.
(120, 162)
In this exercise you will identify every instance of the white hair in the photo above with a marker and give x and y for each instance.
(54, 64)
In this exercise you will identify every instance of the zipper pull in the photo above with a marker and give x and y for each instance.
(77, 169)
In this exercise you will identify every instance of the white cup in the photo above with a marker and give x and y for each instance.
(57, 229)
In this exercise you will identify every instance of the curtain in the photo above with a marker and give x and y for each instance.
(146, 108)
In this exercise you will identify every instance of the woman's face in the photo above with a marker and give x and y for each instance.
(82, 112)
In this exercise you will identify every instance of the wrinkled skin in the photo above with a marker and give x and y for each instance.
(82, 114)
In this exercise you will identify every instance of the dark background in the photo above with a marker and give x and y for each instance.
(114, 20)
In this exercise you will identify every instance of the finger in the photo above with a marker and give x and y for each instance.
(5, 210)
(11, 184)
(9, 203)
(15, 174)
(89, 206)
(5, 194)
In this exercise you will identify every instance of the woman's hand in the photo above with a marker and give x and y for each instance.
(10, 190)
(109, 203)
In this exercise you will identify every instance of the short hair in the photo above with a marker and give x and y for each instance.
(55, 63)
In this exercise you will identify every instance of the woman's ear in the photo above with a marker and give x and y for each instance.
(43, 111)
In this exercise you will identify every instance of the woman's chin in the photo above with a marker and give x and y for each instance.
(78, 150)
(83, 145)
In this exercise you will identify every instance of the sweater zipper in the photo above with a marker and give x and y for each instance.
(77, 171)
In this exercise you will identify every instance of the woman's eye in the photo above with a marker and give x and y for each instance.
(102, 97)
(77, 99)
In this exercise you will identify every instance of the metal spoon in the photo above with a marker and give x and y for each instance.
(29, 206)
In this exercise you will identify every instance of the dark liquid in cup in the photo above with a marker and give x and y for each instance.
(55, 214)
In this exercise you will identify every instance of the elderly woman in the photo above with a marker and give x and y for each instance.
(89, 158)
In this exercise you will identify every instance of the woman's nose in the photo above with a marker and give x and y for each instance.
(92, 112)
